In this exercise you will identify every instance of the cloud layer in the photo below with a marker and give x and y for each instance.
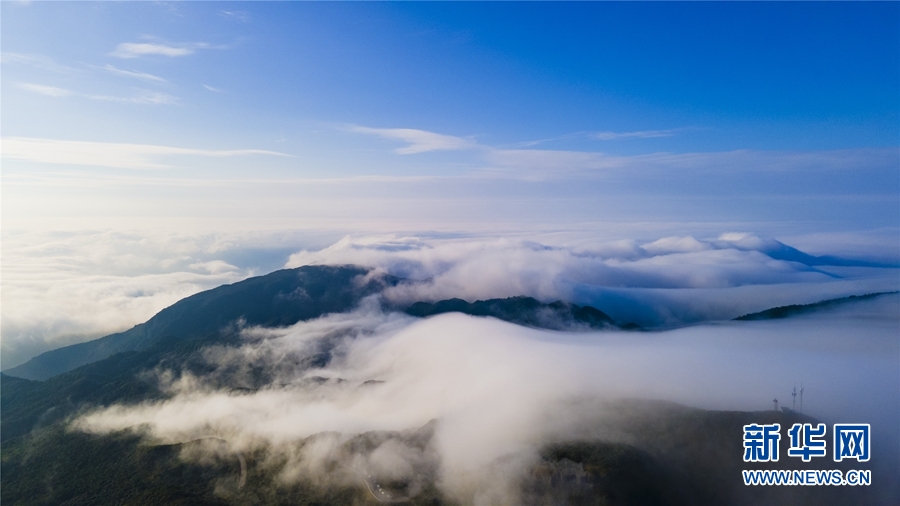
(480, 396)
(668, 282)
(142, 97)
(129, 50)
(643, 134)
(419, 141)
(65, 287)
(60, 288)
(498, 391)
(133, 74)
(108, 154)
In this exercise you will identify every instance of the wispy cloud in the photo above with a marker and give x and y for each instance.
(643, 134)
(419, 141)
(241, 16)
(133, 74)
(63, 288)
(138, 49)
(141, 97)
(530, 164)
(108, 154)
(511, 389)
(528, 144)
(540, 164)
(210, 88)
(42, 89)
(36, 61)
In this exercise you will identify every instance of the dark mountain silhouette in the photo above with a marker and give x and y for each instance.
(780, 251)
(110, 369)
(281, 298)
(528, 311)
(800, 309)
(673, 455)
(284, 298)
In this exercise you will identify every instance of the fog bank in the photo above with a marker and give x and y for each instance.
(497, 391)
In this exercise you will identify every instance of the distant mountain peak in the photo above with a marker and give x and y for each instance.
(799, 309)
(523, 310)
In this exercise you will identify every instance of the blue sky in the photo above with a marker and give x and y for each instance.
(751, 113)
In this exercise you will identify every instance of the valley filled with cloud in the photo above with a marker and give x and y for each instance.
(445, 253)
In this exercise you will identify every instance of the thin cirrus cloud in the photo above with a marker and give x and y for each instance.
(539, 164)
(547, 164)
(420, 141)
(128, 50)
(37, 61)
(142, 96)
(643, 134)
(133, 74)
(108, 154)
(241, 16)
(42, 89)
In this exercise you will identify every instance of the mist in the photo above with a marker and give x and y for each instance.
(488, 393)
(61, 288)
(662, 283)
(66, 287)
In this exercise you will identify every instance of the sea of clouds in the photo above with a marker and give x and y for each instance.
(60, 288)
(467, 402)
(65, 287)
(491, 393)
(663, 283)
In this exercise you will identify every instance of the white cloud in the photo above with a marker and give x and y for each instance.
(133, 74)
(496, 392)
(670, 281)
(107, 154)
(41, 89)
(37, 61)
(539, 164)
(142, 97)
(137, 49)
(669, 245)
(241, 16)
(60, 288)
(644, 134)
(419, 141)
(210, 88)
(547, 164)
(64, 287)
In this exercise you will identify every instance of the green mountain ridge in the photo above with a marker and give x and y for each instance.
(663, 454)
(523, 310)
(651, 453)
(801, 309)
(277, 299)
(286, 297)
